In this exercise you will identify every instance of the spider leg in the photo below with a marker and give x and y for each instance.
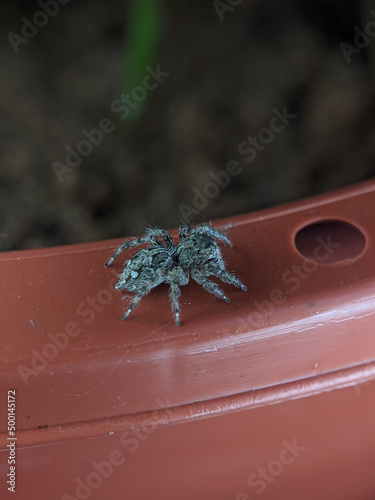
(170, 244)
(210, 231)
(144, 290)
(151, 235)
(208, 285)
(156, 242)
(128, 244)
(177, 278)
(154, 232)
(183, 231)
(174, 295)
(133, 304)
(225, 276)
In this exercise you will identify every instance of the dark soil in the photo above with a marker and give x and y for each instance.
(225, 80)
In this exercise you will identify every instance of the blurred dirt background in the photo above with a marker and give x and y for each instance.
(225, 77)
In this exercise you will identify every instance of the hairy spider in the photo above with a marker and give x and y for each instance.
(197, 255)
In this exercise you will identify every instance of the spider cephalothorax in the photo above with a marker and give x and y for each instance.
(197, 256)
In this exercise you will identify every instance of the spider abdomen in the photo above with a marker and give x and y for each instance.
(148, 267)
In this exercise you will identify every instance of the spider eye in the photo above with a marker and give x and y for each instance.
(198, 251)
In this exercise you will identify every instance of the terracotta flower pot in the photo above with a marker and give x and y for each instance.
(142, 409)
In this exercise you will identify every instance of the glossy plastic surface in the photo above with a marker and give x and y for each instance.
(306, 325)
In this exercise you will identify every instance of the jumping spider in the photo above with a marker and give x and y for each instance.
(197, 255)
